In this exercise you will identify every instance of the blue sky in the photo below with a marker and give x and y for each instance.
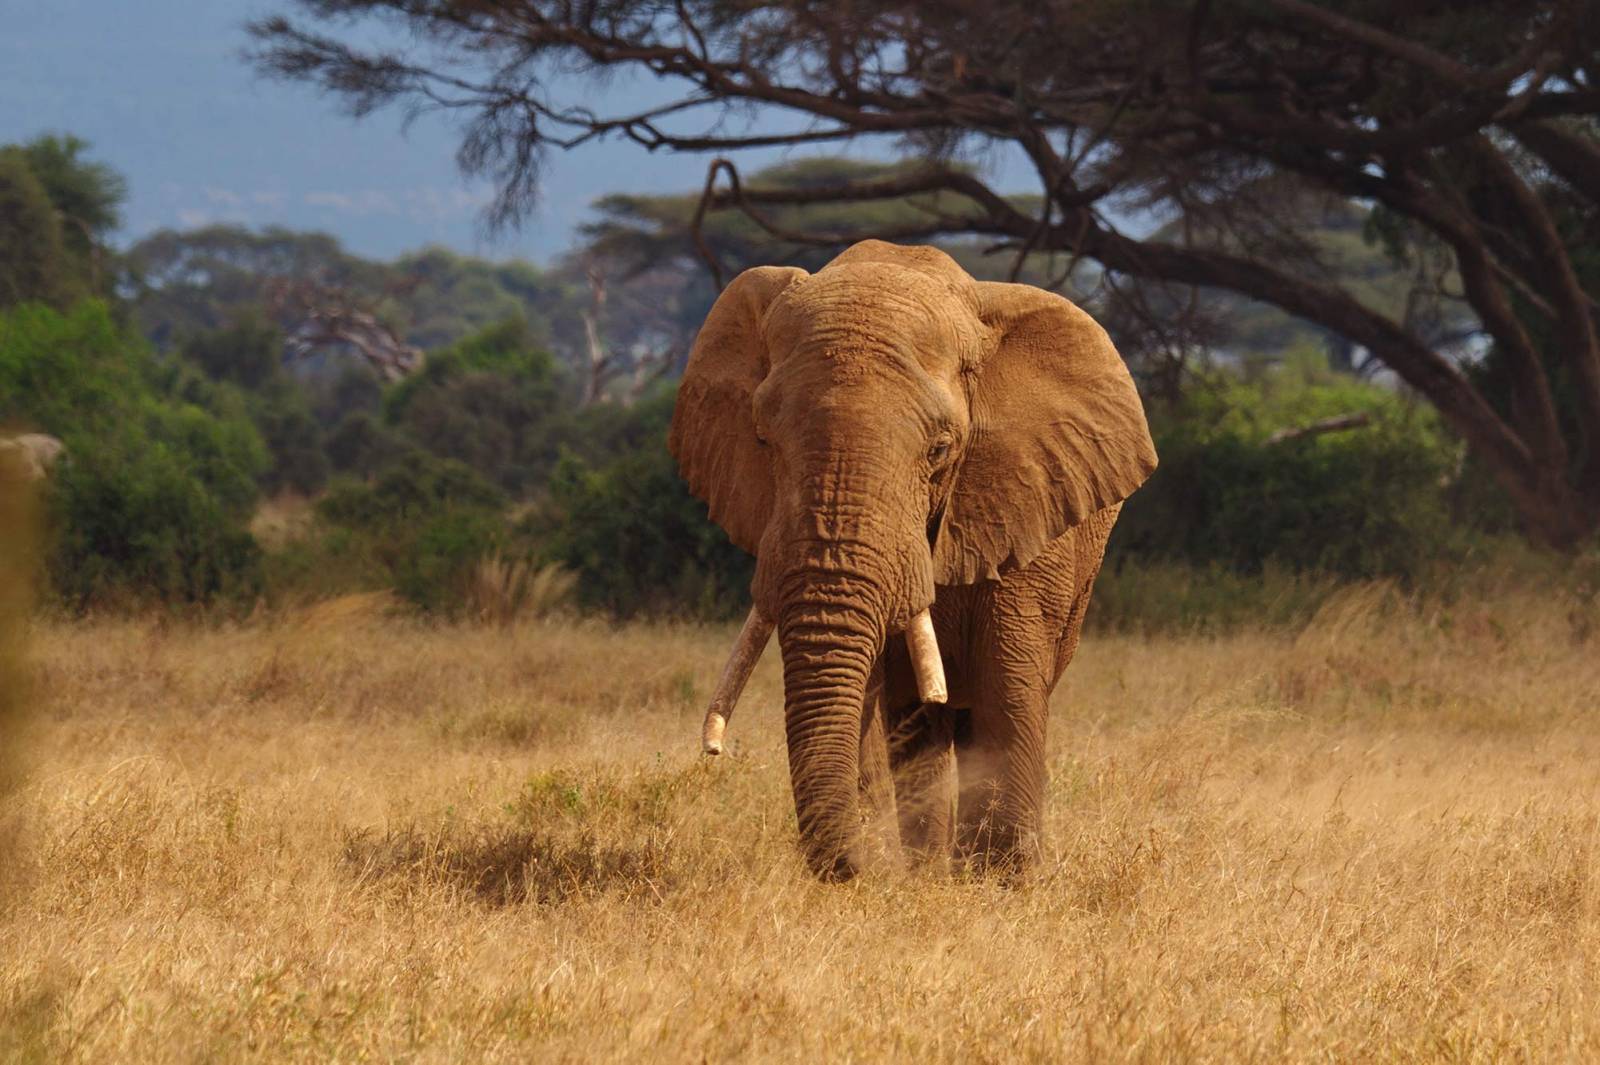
(160, 89)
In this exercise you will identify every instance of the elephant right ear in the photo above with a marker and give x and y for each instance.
(713, 424)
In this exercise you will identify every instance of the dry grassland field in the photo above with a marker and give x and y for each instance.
(338, 835)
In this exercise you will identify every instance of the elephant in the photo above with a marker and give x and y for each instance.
(37, 453)
(926, 468)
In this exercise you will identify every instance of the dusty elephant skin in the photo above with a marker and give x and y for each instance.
(888, 435)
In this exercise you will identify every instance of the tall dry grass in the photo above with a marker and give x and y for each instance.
(341, 836)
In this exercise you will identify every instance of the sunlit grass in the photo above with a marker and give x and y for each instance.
(338, 835)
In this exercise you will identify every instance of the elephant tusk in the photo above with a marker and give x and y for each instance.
(746, 653)
(925, 661)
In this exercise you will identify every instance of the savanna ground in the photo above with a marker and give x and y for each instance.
(337, 835)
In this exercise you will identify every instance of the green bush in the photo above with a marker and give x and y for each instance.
(1365, 503)
(154, 494)
(492, 402)
(247, 354)
(423, 524)
(635, 537)
(434, 573)
(34, 264)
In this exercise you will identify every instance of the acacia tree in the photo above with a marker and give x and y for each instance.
(1469, 128)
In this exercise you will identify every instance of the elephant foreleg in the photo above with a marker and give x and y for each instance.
(876, 778)
(922, 756)
(1000, 762)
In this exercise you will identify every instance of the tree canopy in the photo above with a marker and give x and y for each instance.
(1469, 128)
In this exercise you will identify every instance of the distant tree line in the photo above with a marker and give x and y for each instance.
(199, 408)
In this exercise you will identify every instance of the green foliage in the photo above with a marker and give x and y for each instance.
(248, 353)
(449, 297)
(423, 524)
(56, 209)
(493, 402)
(434, 573)
(1364, 503)
(409, 491)
(361, 445)
(187, 282)
(636, 538)
(33, 260)
(135, 523)
(152, 499)
(87, 195)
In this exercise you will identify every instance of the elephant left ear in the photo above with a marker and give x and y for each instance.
(1057, 433)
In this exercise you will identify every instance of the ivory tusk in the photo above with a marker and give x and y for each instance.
(746, 653)
(925, 661)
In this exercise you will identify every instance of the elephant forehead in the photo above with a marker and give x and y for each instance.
(860, 314)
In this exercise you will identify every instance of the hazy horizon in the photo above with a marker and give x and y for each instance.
(164, 95)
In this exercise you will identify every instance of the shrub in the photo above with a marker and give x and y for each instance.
(248, 355)
(1366, 503)
(33, 257)
(424, 523)
(153, 496)
(639, 542)
(492, 402)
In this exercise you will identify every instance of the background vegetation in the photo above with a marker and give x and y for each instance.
(238, 433)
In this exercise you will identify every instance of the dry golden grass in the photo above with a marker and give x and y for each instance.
(341, 836)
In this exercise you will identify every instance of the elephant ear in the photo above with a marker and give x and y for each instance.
(713, 425)
(1057, 433)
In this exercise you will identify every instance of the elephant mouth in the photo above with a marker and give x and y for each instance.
(756, 633)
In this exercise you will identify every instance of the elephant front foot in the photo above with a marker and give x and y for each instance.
(995, 841)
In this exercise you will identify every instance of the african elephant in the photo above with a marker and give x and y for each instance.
(887, 436)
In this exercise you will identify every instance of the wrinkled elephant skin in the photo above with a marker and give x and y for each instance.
(888, 437)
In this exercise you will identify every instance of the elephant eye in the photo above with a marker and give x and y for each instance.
(939, 451)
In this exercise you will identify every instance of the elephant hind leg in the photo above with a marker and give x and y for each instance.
(922, 756)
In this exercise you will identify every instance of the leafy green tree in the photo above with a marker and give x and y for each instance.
(494, 402)
(34, 265)
(54, 224)
(248, 353)
(87, 196)
(189, 282)
(423, 524)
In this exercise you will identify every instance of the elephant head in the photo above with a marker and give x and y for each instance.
(883, 426)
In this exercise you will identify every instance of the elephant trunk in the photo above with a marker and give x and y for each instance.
(829, 644)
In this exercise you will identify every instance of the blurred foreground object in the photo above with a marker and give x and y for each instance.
(19, 561)
(35, 454)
